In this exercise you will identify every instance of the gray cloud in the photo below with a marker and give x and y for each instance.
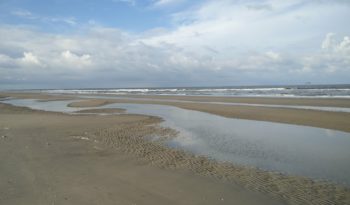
(125, 61)
(220, 44)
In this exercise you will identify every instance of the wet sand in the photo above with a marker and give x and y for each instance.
(122, 136)
(54, 158)
(325, 102)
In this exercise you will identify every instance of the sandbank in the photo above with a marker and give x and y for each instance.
(323, 119)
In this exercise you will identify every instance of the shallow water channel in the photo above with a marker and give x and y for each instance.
(291, 149)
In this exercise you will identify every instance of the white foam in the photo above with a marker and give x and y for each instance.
(239, 92)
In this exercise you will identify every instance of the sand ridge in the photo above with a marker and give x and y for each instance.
(301, 101)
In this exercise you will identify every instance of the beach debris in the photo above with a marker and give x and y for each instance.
(3, 136)
(6, 128)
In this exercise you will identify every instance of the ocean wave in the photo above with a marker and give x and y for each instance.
(333, 92)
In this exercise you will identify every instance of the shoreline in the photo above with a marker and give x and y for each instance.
(315, 118)
(292, 189)
(322, 119)
(300, 101)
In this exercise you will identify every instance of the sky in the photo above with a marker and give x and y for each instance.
(170, 43)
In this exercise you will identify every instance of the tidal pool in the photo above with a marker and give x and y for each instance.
(298, 150)
(321, 154)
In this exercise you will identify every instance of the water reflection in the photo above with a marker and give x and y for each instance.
(53, 106)
(297, 150)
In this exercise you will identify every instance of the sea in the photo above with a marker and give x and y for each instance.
(311, 91)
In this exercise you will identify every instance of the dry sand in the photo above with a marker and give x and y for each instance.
(52, 158)
(324, 119)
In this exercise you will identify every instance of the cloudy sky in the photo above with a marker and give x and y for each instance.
(150, 43)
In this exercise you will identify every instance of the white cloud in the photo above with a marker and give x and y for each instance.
(68, 20)
(333, 57)
(338, 48)
(30, 16)
(329, 41)
(344, 46)
(24, 14)
(227, 23)
(74, 60)
(273, 55)
(217, 42)
(30, 58)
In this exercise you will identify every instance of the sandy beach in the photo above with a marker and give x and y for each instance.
(52, 158)
(88, 159)
(134, 102)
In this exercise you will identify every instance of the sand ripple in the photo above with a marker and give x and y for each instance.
(134, 138)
